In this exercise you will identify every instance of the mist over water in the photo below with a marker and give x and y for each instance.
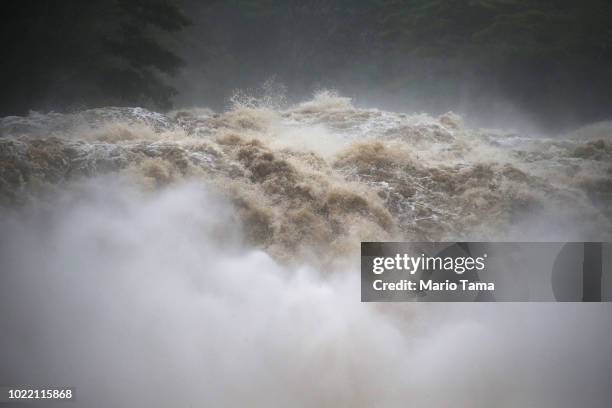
(197, 258)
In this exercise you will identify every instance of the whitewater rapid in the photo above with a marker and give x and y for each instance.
(195, 258)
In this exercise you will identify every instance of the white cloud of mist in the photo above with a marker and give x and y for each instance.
(149, 299)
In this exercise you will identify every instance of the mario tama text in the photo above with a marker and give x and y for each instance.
(481, 271)
(430, 285)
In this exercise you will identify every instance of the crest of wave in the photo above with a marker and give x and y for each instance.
(317, 177)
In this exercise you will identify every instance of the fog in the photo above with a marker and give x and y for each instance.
(150, 299)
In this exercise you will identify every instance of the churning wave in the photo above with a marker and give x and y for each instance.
(323, 175)
(195, 258)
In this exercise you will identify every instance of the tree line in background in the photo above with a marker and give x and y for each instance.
(71, 54)
(551, 57)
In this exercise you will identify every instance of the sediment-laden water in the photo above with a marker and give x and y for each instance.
(195, 258)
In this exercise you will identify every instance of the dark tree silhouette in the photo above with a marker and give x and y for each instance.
(70, 54)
